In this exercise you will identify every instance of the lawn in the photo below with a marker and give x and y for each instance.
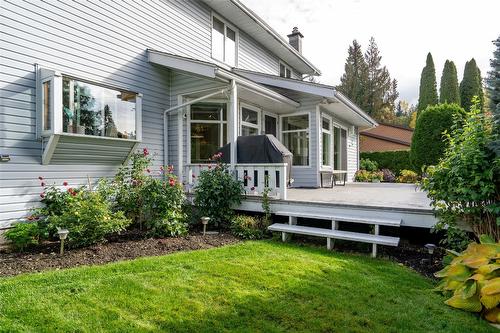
(254, 286)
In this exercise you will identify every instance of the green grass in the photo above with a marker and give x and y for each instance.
(253, 286)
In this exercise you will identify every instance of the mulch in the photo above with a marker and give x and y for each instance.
(125, 247)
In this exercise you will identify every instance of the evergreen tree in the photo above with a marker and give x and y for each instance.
(428, 86)
(493, 88)
(471, 85)
(448, 90)
(379, 81)
(353, 81)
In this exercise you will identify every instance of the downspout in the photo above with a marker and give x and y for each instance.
(175, 108)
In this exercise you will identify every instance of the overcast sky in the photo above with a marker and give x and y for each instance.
(404, 31)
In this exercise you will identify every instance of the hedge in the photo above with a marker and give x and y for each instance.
(393, 160)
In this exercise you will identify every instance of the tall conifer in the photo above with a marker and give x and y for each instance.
(471, 85)
(428, 86)
(353, 81)
(448, 90)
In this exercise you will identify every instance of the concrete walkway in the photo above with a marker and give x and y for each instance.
(386, 195)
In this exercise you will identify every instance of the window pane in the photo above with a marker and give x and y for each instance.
(204, 141)
(94, 110)
(327, 148)
(270, 125)
(230, 52)
(250, 116)
(218, 40)
(336, 148)
(246, 131)
(343, 149)
(298, 144)
(325, 124)
(282, 70)
(46, 106)
(207, 111)
(288, 73)
(296, 123)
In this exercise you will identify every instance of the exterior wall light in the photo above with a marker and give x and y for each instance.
(63, 234)
(204, 221)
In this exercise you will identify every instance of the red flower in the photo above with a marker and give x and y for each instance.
(194, 176)
(71, 191)
(253, 188)
(148, 170)
(170, 168)
(65, 183)
(145, 151)
(41, 178)
(42, 184)
(42, 195)
(161, 168)
(171, 181)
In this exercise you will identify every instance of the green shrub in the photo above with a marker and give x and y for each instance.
(393, 160)
(368, 176)
(472, 279)
(248, 227)
(428, 143)
(89, 219)
(465, 184)
(407, 176)
(368, 165)
(23, 235)
(217, 193)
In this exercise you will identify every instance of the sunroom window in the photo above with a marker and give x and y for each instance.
(223, 42)
(208, 128)
(295, 133)
(250, 121)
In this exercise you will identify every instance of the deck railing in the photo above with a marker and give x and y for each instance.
(253, 176)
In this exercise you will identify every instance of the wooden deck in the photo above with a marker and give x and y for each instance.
(368, 200)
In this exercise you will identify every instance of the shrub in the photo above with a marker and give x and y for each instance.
(388, 176)
(392, 160)
(23, 235)
(89, 219)
(248, 227)
(217, 192)
(368, 165)
(465, 185)
(368, 176)
(408, 176)
(428, 143)
(472, 279)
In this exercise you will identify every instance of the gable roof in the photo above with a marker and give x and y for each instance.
(259, 30)
(391, 133)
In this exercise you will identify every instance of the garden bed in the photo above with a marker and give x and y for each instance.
(125, 247)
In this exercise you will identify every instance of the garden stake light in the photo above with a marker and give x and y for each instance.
(430, 249)
(63, 234)
(204, 221)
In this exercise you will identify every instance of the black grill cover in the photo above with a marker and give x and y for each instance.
(260, 149)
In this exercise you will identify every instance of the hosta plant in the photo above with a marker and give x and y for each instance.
(472, 279)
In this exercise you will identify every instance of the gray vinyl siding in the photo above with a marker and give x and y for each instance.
(252, 56)
(352, 155)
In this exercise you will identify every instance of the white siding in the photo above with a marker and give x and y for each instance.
(254, 57)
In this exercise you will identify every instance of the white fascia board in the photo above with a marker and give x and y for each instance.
(182, 64)
(343, 99)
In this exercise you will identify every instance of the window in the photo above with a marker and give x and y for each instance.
(339, 148)
(223, 42)
(46, 105)
(326, 137)
(94, 110)
(285, 71)
(250, 121)
(295, 133)
(270, 125)
(208, 128)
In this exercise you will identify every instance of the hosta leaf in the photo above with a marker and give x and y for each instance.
(458, 272)
(442, 273)
(470, 304)
(487, 269)
(492, 315)
(476, 277)
(452, 253)
(453, 285)
(491, 287)
(469, 289)
(475, 262)
(490, 301)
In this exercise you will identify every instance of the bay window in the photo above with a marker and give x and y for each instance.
(223, 42)
(208, 130)
(295, 136)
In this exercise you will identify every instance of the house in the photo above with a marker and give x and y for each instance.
(385, 137)
(83, 84)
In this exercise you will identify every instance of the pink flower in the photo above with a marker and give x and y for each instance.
(42, 195)
(145, 151)
(253, 188)
(194, 176)
(161, 168)
(170, 168)
(42, 184)
(41, 178)
(65, 183)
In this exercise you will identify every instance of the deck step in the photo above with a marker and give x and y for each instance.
(344, 218)
(337, 234)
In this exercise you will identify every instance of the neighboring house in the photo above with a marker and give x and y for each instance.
(85, 83)
(385, 138)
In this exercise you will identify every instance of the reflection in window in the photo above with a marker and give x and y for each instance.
(94, 110)
(208, 130)
(250, 122)
(296, 137)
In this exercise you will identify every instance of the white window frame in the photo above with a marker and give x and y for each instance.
(287, 68)
(275, 116)
(222, 122)
(251, 125)
(55, 78)
(237, 40)
(339, 125)
(329, 132)
(308, 131)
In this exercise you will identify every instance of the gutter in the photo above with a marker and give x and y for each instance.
(355, 108)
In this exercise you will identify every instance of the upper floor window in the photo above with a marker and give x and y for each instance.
(223, 42)
(285, 71)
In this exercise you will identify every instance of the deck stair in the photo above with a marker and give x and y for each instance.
(334, 233)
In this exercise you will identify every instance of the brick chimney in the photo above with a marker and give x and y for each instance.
(295, 39)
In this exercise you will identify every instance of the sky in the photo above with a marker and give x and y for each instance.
(405, 32)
